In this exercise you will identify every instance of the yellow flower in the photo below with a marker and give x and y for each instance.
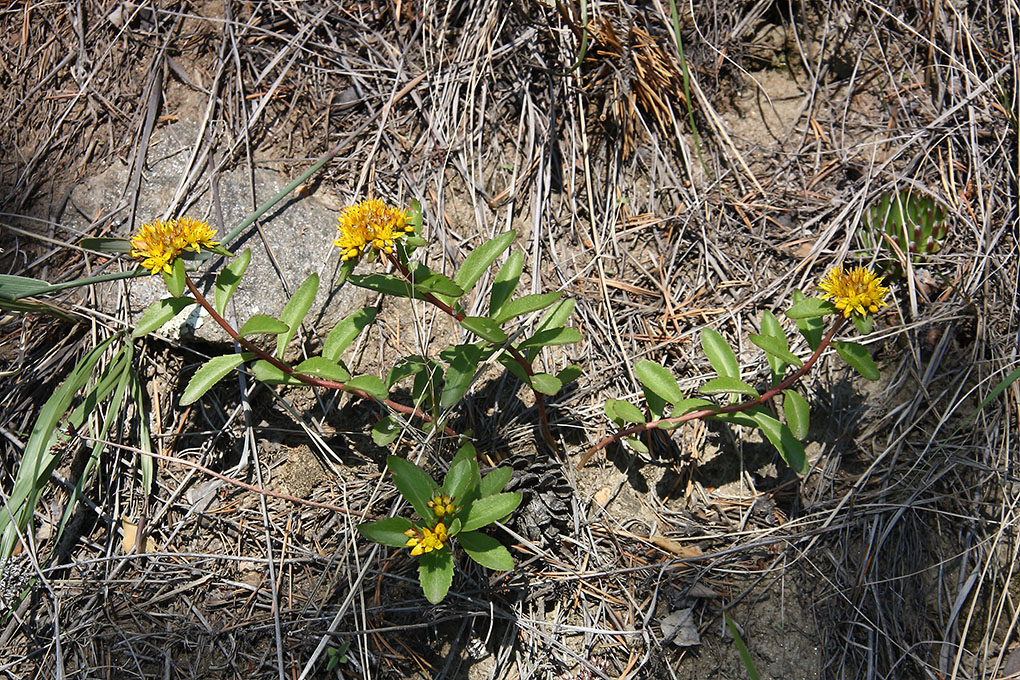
(370, 223)
(855, 291)
(426, 540)
(158, 243)
(441, 504)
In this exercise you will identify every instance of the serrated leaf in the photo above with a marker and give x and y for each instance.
(480, 259)
(525, 305)
(624, 410)
(294, 311)
(782, 438)
(208, 374)
(435, 572)
(386, 431)
(389, 531)
(656, 378)
(776, 348)
(160, 312)
(486, 551)
(415, 485)
(858, 357)
(463, 363)
(175, 280)
(262, 324)
(345, 331)
(727, 385)
(322, 367)
(228, 280)
(551, 337)
(370, 384)
(495, 481)
(488, 509)
(505, 283)
(810, 308)
(719, 354)
(485, 328)
(545, 383)
(797, 412)
(810, 328)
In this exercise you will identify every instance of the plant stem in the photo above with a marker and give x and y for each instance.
(513, 351)
(733, 408)
(289, 370)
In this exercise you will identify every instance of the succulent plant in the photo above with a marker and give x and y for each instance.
(916, 223)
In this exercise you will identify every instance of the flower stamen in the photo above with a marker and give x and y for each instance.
(858, 291)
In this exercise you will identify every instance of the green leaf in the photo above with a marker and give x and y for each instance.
(486, 551)
(797, 412)
(480, 259)
(346, 267)
(552, 336)
(322, 367)
(727, 385)
(158, 313)
(525, 305)
(175, 280)
(636, 444)
(771, 327)
(857, 356)
(30, 307)
(777, 349)
(655, 378)
(505, 283)
(782, 438)
(863, 324)
(272, 375)
(494, 482)
(485, 328)
(719, 354)
(386, 431)
(210, 373)
(404, 368)
(13, 287)
(261, 324)
(389, 531)
(106, 244)
(458, 480)
(545, 383)
(469, 492)
(485, 511)
(435, 572)
(345, 331)
(415, 485)
(387, 284)
(810, 328)
(810, 308)
(294, 311)
(569, 374)
(433, 282)
(229, 279)
(463, 363)
(557, 315)
(625, 411)
(370, 384)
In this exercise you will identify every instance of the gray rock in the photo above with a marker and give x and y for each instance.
(298, 235)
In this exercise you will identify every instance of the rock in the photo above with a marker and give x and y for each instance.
(298, 233)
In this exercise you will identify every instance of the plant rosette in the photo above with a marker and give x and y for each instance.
(457, 509)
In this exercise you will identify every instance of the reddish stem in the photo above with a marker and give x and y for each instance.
(733, 408)
(513, 351)
(289, 370)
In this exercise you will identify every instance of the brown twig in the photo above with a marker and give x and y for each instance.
(733, 408)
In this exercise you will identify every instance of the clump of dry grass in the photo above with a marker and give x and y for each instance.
(894, 555)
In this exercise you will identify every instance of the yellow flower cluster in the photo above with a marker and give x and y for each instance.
(854, 291)
(426, 540)
(370, 223)
(441, 504)
(158, 243)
